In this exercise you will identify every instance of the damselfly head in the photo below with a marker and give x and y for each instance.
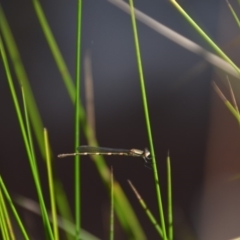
(146, 153)
(147, 159)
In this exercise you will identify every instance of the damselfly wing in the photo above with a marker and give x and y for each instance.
(89, 150)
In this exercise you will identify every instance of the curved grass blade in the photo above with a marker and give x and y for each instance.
(145, 106)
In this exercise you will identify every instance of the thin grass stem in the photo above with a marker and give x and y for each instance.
(146, 209)
(33, 157)
(145, 105)
(4, 220)
(111, 233)
(2, 226)
(51, 186)
(170, 214)
(226, 102)
(6, 216)
(233, 13)
(15, 213)
(77, 122)
(29, 135)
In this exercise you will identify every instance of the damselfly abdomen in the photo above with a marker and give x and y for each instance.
(89, 150)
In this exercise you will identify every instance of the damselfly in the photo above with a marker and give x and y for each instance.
(89, 150)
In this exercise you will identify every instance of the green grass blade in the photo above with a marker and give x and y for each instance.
(233, 13)
(6, 217)
(205, 36)
(33, 157)
(33, 111)
(233, 98)
(24, 134)
(3, 217)
(2, 224)
(14, 97)
(170, 215)
(226, 102)
(146, 209)
(51, 186)
(111, 233)
(15, 213)
(77, 122)
(145, 105)
(22, 79)
(29, 135)
(2, 229)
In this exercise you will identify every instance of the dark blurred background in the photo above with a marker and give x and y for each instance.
(178, 100)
